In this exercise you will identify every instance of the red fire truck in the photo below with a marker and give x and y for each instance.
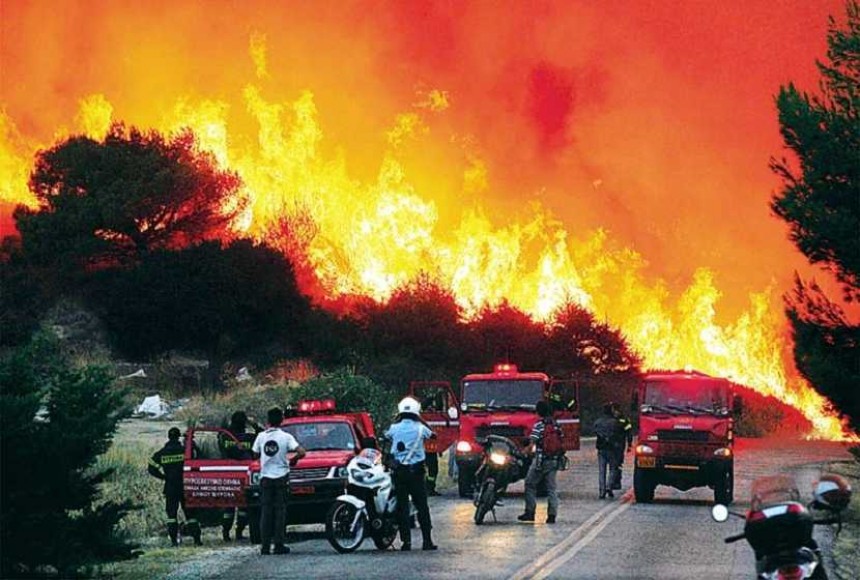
(685, 434)
(502, 403)
(330, 438)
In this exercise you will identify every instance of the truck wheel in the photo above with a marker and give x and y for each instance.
(254, 526)
(724, 488)
(643, 486)
(466, 484)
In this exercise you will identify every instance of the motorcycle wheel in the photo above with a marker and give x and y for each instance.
(337, 523)
(486, 500)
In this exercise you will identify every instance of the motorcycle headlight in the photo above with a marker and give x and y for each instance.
(464, 447)
(498, 458)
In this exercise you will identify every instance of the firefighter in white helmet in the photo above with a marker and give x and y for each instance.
(407, 435)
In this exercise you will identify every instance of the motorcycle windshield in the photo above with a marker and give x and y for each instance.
(771, 490)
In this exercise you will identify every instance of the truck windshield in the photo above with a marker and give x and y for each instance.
(511, 393)
(686, 396)
(321, 436)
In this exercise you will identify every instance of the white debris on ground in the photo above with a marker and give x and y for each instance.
(154, 407)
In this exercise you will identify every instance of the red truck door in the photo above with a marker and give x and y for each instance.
(211, 479)
(563, 396)
(440, 409)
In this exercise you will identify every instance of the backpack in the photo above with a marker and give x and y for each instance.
(552, 440)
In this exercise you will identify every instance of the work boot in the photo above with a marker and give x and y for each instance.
(406, 546)
(609, 493)
(197, 540)
(427, 543)
(526, 517)
(550, 519)
(265, 550)
(225, 534)
(240, 530)
(280, 549)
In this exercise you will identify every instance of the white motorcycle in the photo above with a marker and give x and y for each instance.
(369, 508)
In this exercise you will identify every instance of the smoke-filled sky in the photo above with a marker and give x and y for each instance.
(654, 120)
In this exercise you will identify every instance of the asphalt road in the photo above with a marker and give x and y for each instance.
(672, 538)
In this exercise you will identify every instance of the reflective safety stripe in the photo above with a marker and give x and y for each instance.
(567, 421)
(168, 459)
(171, 520)
(191, 521)
(154, 463)
(227, 516)
(242, 513)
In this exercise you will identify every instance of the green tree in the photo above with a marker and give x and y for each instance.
(218, 301)
(109, 202)
(820, 200)
(54, 422)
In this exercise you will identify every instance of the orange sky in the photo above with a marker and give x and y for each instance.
(653, 120)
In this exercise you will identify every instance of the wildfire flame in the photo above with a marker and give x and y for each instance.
(373, 232)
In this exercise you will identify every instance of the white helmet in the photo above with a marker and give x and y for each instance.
(409, 405)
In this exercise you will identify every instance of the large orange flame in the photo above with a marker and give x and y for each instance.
(391, 214)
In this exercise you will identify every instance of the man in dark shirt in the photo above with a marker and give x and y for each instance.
(609, 437)
(167, 464)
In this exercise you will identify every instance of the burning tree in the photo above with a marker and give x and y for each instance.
(110, 202)
(820, 200)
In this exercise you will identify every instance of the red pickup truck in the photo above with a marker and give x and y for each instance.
(331, 439)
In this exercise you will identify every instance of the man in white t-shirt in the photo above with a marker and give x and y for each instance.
(272, 446)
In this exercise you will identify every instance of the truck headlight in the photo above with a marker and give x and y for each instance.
(644, 450)
(498, 458)
(464, 447)
(723, 452)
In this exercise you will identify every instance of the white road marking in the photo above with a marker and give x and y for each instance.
(574, 542)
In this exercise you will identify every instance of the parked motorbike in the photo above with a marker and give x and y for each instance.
(779, 527)
(502, 464)
(368, 508)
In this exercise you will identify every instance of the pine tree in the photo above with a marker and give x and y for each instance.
(55, 420)
(820, 200)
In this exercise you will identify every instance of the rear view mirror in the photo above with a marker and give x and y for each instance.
(369, 443)
(832, 493)
(453, 413)
(720, 513)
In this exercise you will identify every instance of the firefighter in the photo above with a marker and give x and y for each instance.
(407, 435)
(627, 438)
(239, 449)
(609, 438)
(432, 402)
(167, 464)
(543, 468)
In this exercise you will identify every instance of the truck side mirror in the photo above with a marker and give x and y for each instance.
(369, 443)
(452, 412)
(634, 402)
(737, 405)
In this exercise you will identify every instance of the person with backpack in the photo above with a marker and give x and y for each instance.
(549, 453)
(609, 438)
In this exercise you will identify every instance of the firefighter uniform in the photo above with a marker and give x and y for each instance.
(238, 449)
(627, 430)
(167, 464)
(407, 435)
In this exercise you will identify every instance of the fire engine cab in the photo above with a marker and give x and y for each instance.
(330, 438)
(685, 434)
(500, 403)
